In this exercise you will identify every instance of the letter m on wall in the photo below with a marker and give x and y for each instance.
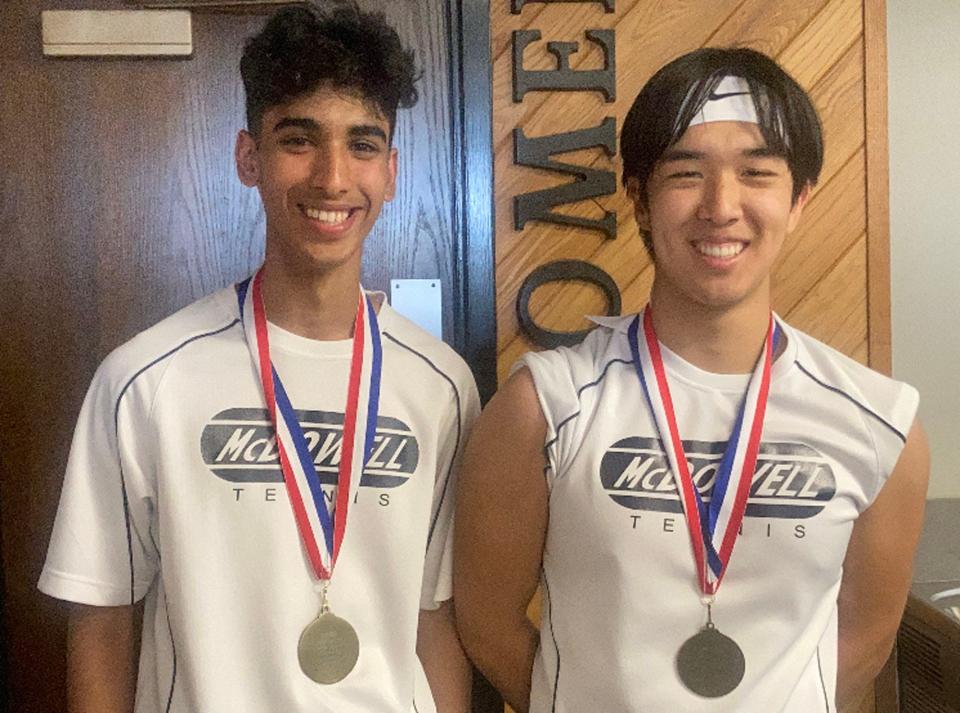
(589, 182)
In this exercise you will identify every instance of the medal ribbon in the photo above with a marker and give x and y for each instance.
(302, 482)
(713, 527)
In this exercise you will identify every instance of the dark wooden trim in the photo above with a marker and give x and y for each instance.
(4, 656)
(878, 189)
(471, 105)
(474, 290)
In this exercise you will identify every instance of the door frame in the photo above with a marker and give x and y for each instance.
(471, 105)
(474, 289)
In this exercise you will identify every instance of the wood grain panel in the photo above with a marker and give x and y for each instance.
(819, 45)
(819, 41)
(835, 311)
(878, 185)
(765, 26)
(838, 212)
(838, 97)
(650, 29)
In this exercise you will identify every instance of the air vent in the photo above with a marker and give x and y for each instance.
(923, 664)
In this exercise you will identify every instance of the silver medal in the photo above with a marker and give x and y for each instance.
(328, 649)
(710, 664)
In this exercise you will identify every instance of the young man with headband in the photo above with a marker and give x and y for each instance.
(263, 468)
(721, 511)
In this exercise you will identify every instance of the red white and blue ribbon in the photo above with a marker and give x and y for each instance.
(321, 528)
(713, 526)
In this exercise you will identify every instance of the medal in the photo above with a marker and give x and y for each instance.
(709, 663)
(328, 648)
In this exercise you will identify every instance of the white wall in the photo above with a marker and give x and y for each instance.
(924, 88)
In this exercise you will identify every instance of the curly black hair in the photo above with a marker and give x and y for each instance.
(303, 48)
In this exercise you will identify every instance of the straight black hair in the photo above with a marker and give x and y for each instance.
(670, 99)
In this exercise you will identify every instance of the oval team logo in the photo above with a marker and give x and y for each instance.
(238, 445)
(791, 480)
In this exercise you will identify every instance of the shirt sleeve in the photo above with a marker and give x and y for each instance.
(438, 567)
(554, 378)
(101, 551)
(890, 433)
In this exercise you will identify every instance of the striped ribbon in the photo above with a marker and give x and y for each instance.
(311, 512)
(713, 526)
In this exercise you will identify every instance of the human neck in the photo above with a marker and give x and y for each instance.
(724, 340)
(315, 305)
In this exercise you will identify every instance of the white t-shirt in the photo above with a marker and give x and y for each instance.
(620, 589)
(173, 492)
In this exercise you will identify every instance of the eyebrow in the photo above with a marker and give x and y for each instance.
(763, 152)
(367, 130)
(296, 122)
(685, 155)
(680, 155)
(360, 130)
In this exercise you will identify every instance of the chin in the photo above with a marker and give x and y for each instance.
(327, 260)
(725, 299)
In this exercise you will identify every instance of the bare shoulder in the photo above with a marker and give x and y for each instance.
(906, 488)
(885, 536)
(502, 472)
(516, 401)
(510, 431)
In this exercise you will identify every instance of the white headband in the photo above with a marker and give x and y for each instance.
(732, 100)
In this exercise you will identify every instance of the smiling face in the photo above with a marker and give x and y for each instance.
(717, 207)
(324, 167)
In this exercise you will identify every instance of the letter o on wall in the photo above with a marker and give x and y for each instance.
(563, 271)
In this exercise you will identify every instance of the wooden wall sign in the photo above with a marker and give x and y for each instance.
(557, 195)
(588, 182)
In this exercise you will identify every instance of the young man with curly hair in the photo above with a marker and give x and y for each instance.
(262, 468)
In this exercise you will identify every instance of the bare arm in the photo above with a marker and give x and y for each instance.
(500, 529)
(444, 662)
(877, 571)
(102, 655)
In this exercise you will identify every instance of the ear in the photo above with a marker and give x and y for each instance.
(391, 189)
(247, 159)
(640, 211)
(797, 208)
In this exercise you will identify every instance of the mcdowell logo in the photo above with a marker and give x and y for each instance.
(791, 480)
(239, 445)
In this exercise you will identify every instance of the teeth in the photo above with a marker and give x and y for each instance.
(327, 216)
(723, 250)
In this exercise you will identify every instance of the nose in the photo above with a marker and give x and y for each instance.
(330, 172)
(720, 201)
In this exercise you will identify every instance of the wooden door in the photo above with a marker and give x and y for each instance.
(119, 205)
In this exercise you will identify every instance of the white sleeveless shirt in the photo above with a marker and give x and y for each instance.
(620, 588)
